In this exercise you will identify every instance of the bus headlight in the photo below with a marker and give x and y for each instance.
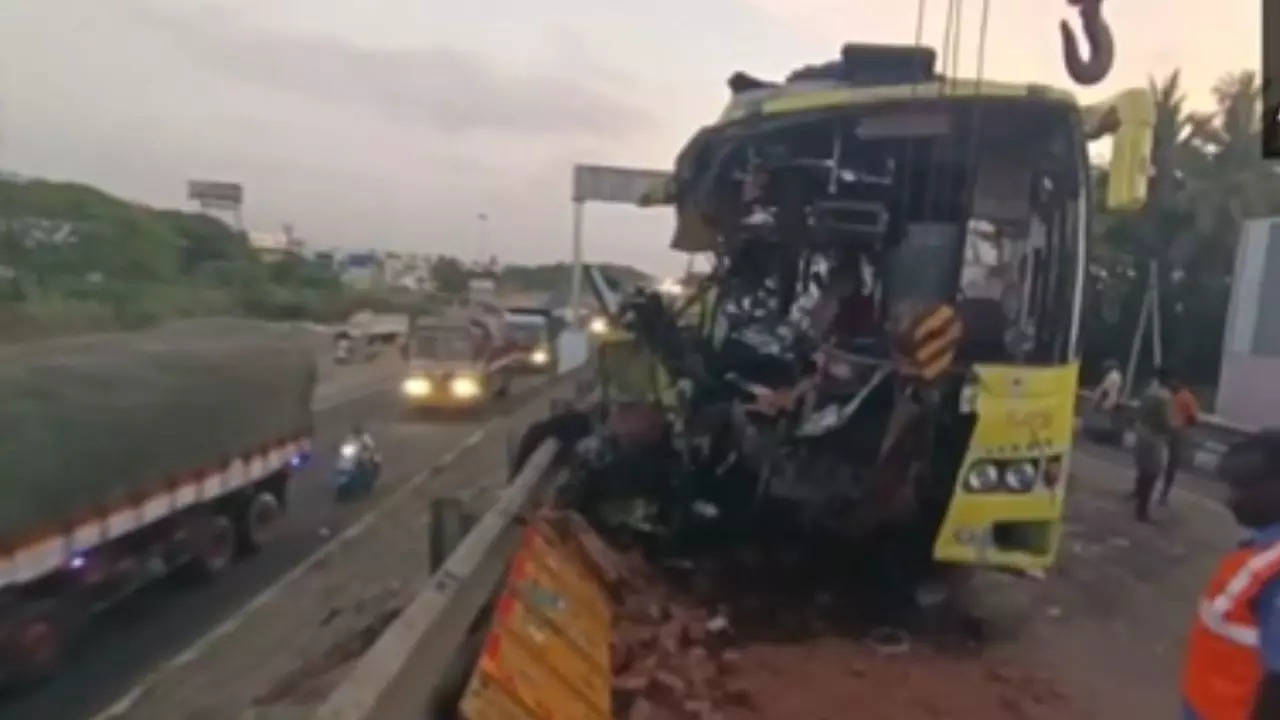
(464, 386)
(540, 357)
(982, 477)
(598, 326)
(416, 387)
(1020, 476)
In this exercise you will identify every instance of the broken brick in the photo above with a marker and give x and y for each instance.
(634, 608)
(671, 686)
(697, 708)
(699, 662)
(647, 663)
(602, 560)
(630, 686)
(735, 693)
(620, 655)
(657, 612)
(700, 670)
(730, 660)
(641, 709)
(669, 636)
(631, 683)
(677, 612)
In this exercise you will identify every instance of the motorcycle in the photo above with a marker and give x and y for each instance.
(357, 468)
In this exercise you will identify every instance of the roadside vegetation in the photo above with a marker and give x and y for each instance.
(1209, 178)
(74, 259)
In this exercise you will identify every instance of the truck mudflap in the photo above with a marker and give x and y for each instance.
(547, 651)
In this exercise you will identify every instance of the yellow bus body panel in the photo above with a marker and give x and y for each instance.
(1024, 413)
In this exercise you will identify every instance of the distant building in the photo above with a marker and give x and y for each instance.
(269, 246)
(275, 246)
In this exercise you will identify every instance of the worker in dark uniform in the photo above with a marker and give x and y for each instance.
(1232, 667)
(1152, 427)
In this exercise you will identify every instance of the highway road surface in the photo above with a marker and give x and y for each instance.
(125, 643)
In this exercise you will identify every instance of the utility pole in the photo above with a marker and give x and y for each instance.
(1136, 345)
(575, 281)
(1155, 247)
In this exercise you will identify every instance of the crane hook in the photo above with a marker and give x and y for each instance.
(1098, 35)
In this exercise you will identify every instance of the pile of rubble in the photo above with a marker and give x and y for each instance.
(690, 644)
(673, 659)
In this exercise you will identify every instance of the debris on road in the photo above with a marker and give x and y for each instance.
(742, 647)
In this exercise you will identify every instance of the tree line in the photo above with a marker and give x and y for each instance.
(1208, 177)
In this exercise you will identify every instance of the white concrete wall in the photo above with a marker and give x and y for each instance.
(1249, 381)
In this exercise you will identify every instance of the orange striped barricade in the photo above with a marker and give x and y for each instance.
(546, 656)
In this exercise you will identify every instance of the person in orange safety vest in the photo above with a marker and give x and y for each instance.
(1233, 657)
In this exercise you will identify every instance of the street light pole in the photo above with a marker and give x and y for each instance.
(575, 280)
(483, 220)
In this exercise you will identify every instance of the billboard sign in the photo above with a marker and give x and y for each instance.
(615, 185)
(213, 194)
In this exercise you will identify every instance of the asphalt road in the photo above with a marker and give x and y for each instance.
(125, 643)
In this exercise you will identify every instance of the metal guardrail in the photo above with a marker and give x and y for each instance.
(407, 669)
(1208, 439)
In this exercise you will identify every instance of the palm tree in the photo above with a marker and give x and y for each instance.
(1132, 250)
(1209, 176)
(1171, 126)
(1228, 181)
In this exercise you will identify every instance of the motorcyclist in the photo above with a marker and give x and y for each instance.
(359, 463)
(368, 450)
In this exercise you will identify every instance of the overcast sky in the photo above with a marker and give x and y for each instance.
(393, 123)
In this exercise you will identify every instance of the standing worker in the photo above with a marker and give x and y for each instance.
(1106, 398)
(1232, 669)
(1152, 426)
(1186, 413)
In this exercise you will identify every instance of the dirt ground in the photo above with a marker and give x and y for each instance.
(1110, 621)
